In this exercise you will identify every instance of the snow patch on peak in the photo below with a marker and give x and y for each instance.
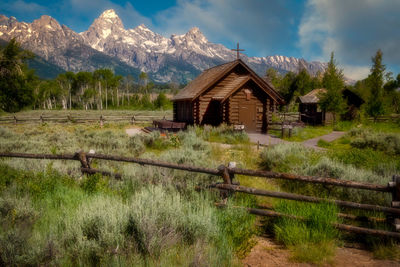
(195, 30)
(109, 14)
(143, 28)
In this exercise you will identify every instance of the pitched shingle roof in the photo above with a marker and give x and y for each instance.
(203, 81)
(212, 76)
(223, 92)
(312, 97)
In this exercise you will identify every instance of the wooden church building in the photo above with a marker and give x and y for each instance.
(230, 93)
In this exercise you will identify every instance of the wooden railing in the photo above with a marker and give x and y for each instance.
(80, 119)
(228, 186)
(386, 118)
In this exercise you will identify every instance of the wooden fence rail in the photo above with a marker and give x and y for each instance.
(68, 118)
(228, 173)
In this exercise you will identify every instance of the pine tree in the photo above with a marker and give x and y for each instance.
(332, 100)
(375, 105)
(16, 80)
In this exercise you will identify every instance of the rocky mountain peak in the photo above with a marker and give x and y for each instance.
(195, 34)
(109, 14)
(180, 57)
(107, 20)
(46, 22)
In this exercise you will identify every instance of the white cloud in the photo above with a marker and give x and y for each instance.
(25, 9)
(354, 30)
(356, 72)
(265, 27)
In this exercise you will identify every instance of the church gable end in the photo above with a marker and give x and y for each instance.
(234, 94)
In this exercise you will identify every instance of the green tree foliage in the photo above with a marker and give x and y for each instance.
(292, 85)
(375, 81)
(162, 102)
(16, 80)
(332, 100)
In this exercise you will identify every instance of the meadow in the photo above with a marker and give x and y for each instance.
(50, 214)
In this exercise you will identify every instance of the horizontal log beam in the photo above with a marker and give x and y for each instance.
(290, 196)
(156, 163)
(39, 156)
(343, 227)
(312, 179)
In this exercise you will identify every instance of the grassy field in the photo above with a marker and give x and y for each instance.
(52, 215)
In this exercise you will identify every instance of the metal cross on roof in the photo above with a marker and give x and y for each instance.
(237, 51)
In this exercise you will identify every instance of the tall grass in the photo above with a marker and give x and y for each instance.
(312, 240)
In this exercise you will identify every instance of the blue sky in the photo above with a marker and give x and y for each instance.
(311, 29)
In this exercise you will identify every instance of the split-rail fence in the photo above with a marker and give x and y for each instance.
(229, 185)
(101, 119)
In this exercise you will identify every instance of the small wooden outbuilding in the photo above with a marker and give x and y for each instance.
(230, 93)
(312, 113)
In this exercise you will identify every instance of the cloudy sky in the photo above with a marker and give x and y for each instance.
(311, 29)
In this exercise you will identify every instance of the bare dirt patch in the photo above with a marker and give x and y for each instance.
(267, 253)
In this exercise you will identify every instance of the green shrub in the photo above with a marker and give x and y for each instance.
(333, 169)
(284, 157)
(389, 143)
(221, 134)
(323, 143)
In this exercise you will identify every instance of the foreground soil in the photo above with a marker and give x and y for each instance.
(267, 253)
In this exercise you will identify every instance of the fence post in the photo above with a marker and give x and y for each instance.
(258, 144)
(227, 180)
(15, 120)
(282, 129)
(396, 200)
(101, 121)
(133, 120)
(41, 118)
(85, 164)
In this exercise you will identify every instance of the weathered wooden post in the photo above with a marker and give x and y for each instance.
(85, 164)
(395, 184)
(41, 118)
(258, 144)
(231, 166)
(101, 121)
(283, 129)
(133, 120)
(15, 120)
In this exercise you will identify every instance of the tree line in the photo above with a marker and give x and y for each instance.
(379, 90)
(100, 89)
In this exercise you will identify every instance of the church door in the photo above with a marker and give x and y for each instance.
(247, 116)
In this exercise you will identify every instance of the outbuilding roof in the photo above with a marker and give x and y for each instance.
(312, 97)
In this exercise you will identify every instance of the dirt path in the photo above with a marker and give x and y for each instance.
(265, 139)
(313, 143)
(267, 253)
(133, 131)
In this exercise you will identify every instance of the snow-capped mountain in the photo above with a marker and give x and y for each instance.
(178, 58)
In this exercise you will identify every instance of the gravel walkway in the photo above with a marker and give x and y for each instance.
(265, 139)
(313, 143)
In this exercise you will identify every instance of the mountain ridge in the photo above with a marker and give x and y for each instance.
(179, 58)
